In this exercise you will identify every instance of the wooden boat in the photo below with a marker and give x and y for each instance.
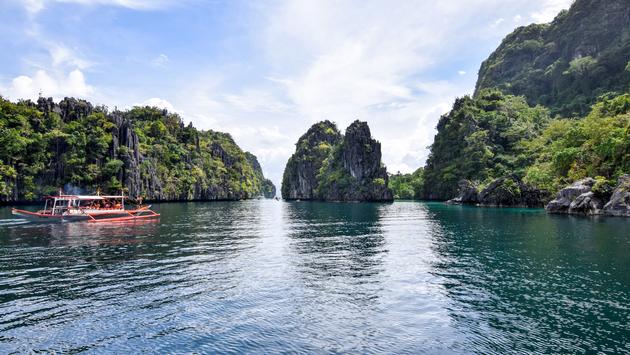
(86, 208)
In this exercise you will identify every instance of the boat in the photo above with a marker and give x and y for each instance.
(71, 208)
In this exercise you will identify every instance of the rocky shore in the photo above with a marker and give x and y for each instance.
(588, 197)
(502, 192)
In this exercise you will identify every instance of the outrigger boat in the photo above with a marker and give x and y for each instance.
(86, 208)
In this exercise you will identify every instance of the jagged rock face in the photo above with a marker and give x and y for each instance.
(511, 192)
(299, 180)
(468, 193)
(619, 204)
(361, 155)
(566, 196)
(124, 136)
(329, 167)
(539, 60)
(586, 203)
(579, 198)
(267, 188)
(355, 171)
(166, 162)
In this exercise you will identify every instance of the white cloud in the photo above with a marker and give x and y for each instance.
(62, 55)
(549, 10)
(34, 6)
(47, 84)
(160, 61)
(393, 66)
(255, 100)
(498, 22)
(159, 103)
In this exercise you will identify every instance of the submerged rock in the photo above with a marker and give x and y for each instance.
(619, 204)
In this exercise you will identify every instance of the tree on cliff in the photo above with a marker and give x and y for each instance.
(147, 151)
(328, 166)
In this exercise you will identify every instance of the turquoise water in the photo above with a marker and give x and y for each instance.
(269, 276)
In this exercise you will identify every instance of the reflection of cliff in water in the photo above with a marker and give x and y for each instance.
(336, 239)
(182, 248)
(516, 275)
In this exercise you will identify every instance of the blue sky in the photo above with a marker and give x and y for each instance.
(264, 71)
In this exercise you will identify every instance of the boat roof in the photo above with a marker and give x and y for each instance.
(84, 197)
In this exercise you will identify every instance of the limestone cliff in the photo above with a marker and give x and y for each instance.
(267, 188)
(331, 167)
(566, 64)
(299, 180)
(144, 151)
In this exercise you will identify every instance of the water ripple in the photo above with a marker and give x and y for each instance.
(268, 276)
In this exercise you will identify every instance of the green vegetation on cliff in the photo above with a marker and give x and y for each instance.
(408, 186)
(480, 140)
(577, 67)
(567, 64)
(145, 151)
(496, 135)
(331, 167)
(299, 180)
(570, 150)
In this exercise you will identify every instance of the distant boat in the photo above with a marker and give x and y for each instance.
(86, 208)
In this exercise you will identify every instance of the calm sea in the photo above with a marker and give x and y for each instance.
(273, 277)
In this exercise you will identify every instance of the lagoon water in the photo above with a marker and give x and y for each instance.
(269, 276)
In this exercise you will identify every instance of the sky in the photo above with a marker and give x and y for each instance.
(265, 71)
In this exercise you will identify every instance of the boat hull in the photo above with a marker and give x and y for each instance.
(36, 217)
(102, 216)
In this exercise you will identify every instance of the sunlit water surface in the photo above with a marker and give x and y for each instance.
(269, 276)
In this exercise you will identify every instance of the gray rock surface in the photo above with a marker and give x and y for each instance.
(331, 167)
(299, 180)
(468, 193)
(566, 196)
(619, 203)
(586, 203)
(511, 192)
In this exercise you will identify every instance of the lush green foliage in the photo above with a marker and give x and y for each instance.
(480, 140)
(312, 149)
(568, 149)
(146, 151)
(497, 135)
(408, 186)
(567, 64)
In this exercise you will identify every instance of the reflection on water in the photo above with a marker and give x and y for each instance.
(269, 276)
(549, 283)
(342, 240)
